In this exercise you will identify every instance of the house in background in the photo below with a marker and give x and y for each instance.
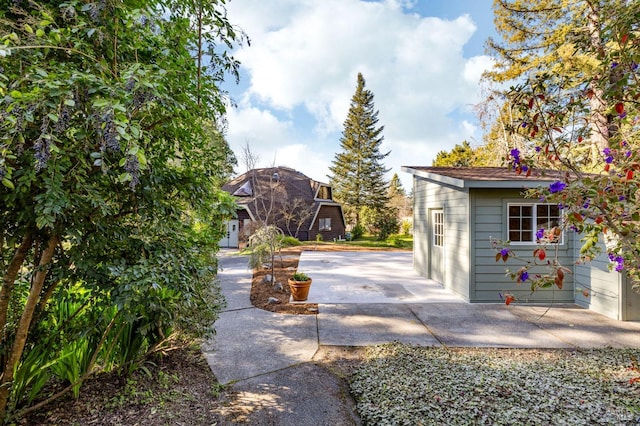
(458, 210)
(300, 206)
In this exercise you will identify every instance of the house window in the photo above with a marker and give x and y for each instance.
(524, 220)
(325, 224)
(438, 228)
(324, 193)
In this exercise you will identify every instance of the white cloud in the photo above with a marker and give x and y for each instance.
(307, 53)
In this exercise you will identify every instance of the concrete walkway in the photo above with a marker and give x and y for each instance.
(370, 298)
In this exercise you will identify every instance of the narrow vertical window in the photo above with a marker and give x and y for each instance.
(438, 228)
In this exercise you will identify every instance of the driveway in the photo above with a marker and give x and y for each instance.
(369, 277)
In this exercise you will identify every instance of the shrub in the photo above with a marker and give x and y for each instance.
(406, 227)
(357, 232)
(288, 241)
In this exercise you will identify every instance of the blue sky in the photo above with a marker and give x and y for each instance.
(422, 60)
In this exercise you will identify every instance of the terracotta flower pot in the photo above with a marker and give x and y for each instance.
(299, 289)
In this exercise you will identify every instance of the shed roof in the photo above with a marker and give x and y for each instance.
(484, 177)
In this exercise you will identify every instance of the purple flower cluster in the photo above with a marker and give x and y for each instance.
(618, 260)
(524, 276)
(504, 251)
(608, 157)
(557, 186)
(540, 234)
(515, 153)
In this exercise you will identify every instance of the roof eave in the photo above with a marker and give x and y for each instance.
(473, 183)
(434, 177)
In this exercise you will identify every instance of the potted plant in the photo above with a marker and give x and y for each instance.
(299, 284)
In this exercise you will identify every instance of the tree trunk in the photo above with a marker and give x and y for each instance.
(9, 278)
(598, 121)
(25, 324)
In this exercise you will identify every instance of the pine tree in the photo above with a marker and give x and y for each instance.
(555, 46)
(358, 175)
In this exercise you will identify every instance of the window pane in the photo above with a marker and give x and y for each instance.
(527, 236)
(542, 210)
(526, 211)
(514, 211)
(514, 236)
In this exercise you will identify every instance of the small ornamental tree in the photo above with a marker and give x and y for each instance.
(562, 129)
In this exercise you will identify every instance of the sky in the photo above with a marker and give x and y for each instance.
(421, 59)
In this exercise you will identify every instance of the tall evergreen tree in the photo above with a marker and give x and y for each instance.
(358, 172)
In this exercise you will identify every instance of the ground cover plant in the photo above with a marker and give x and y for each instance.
(405, 385)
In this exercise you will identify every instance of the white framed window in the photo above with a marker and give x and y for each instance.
(437, 221)
(325, 224)
(524, 222)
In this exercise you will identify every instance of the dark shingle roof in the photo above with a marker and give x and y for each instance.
(284, 184)
(485, 177)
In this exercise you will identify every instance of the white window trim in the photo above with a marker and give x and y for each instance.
(534, 220)
(435, 225)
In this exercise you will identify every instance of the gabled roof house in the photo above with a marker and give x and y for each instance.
(458, 210)
(300, 206)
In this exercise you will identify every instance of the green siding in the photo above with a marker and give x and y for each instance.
(488, 277)
(455, 203)
(471, 218)
(606, 292)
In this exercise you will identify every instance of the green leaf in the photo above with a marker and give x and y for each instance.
(6, 182)
(28, 28)
(142, 159)
(15, 94)
(100, 103)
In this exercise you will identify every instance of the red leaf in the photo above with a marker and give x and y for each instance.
(529, 172)
(540, 253)
(629, 174)
(599, 220)
(607, 167)
(498, 256)
(560, 274)
(530, 103)
(589, 93)
(619, 107)
(510, 298)
(624, 38)
(559, 283)
(579, 138)
(577, 216)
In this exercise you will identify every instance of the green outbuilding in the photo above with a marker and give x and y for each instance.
(458, 211)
